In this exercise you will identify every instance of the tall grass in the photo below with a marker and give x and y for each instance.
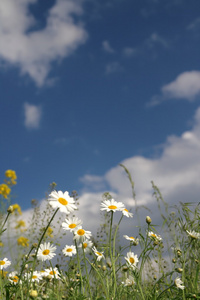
(160, 262)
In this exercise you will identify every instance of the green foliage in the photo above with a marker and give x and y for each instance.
(166, 267)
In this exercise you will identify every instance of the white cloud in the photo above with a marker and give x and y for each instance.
(185, 86)
(176, 172)
(31, 50)
(107, 47)
(32, 115)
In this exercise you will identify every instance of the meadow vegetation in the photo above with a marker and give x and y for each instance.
(159, 261)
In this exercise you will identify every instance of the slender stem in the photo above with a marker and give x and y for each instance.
(79, 267)
(86, 269)
(4, 222)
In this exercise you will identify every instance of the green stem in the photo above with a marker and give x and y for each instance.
(79, 267)
(86, 269)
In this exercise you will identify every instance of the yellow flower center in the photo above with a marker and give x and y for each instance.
(131, 237)
(153, 235)
(132, 260)
(34, 276)
(112, 207)
(84, 245)
(2, 262)
(126, 209)
(81, 232)
(15, 279)
(99, 253)
(72, 225)
(52, 273)
(46, 252)
(69, 250)
(62, 201)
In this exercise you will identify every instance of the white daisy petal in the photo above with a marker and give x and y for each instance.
(69, 250)
(46, 251)
(4, 263)
(112, 205)
(62, 201)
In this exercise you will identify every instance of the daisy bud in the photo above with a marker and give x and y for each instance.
(148, 220)
(104, 268)
(179, 270)
(10, 209)
(174, 260)
(33, 293)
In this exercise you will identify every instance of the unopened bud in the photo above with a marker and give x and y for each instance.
(10, 209)
(148, 220)
(33, 293)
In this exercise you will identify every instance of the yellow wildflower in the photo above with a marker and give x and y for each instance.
(1, 244)
(4, 190)
(17, 208)
(49, 232)
(20, 224)
(24, 242)
(12, 175)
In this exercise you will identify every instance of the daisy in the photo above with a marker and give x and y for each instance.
(69, 250)
(127, 213)
(4, 263)
(86, 245)
(193, 234)
(53, 273)
(81, 235)
(63, 201)
(154, 236)
(46, 251)
(13, 278)
(71, 224)
(135, 241)
(132, 259)
(36, 276)
(129, 281)
(98, 254)
(112, 205)
(179, 283)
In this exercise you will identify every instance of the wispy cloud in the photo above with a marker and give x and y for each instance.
(129, 51)
(107, 47)
(31, 50)
(185, 86)
(113, 67)
(32, 115)
(195, 25)
(156, 39)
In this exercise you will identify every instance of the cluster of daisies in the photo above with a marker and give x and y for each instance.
(81, 237)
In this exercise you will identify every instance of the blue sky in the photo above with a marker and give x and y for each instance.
(86, 85)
